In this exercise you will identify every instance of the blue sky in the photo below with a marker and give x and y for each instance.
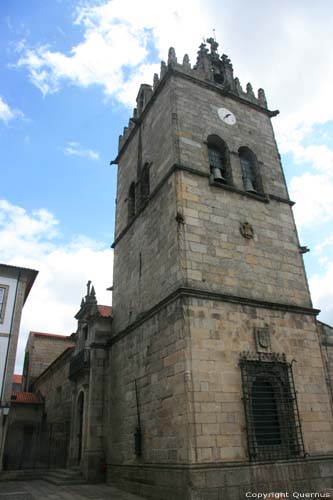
(70, 74)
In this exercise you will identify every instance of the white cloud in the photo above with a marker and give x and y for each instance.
(7, 114)
(32, 240)
(75, 149)
(120, 38)
(322, 293)
(321, 282)
(327, 243)
(314, 199)
(115, 46)
(318, 156)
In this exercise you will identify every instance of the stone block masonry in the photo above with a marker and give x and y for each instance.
(208, 275)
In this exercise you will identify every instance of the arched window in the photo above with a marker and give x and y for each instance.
(250, 171)
(272, 420)
(219, 161)
(131, 202)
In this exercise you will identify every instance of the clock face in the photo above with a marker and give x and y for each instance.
(226, 116)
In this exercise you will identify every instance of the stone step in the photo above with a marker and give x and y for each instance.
(64, 477)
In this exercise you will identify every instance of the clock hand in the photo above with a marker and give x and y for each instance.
(226, 116)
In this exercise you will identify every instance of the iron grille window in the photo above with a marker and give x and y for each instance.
(271, 412)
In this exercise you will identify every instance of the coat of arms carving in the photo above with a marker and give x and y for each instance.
(263, 339)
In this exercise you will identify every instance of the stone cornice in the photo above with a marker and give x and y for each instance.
(184, 292)
(220, 465)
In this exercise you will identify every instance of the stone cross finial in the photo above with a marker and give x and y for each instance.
(213, 45)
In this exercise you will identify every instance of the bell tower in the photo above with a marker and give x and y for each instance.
(215, 363)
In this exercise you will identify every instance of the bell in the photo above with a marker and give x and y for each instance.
(217, 175)
(248, 185)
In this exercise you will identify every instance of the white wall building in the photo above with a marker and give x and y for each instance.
(15, 285)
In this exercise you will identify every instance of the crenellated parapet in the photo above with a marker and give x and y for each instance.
(210, 67)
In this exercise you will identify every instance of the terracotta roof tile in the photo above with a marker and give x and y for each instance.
(25, 397)
(105, 311)
(53, 335)
(17, 379)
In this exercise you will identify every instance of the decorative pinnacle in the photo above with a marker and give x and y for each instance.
(172, 58)
(213, 45)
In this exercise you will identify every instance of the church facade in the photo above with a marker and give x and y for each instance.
(216, 380)
(210, 377)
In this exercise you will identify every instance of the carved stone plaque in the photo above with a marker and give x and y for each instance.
(246, 230)
(263, 339)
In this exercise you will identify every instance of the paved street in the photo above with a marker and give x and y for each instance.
(42, 490)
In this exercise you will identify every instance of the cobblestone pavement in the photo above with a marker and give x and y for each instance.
(42, 490)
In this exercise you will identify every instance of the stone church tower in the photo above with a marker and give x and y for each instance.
(216, 384)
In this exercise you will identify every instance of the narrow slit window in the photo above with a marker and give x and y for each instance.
(131, 202)
(145, 184)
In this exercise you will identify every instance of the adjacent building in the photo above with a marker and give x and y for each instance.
(39, 420)
(15, 286)
(41, 350)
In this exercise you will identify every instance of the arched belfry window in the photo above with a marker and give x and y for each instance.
(131, 202)
(270, 404)
(219, 160)
(250, 171)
